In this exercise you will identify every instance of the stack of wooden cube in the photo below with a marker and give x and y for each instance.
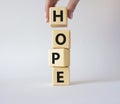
(59, 55)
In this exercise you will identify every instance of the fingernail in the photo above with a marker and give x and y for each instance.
(71, 15)
(46, 20)
(45, 17)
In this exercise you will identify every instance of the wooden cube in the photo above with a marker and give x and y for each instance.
(59, 57)
(61, 39)
(61, 76)
(58, 16)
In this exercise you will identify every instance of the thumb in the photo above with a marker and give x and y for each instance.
(71, 7)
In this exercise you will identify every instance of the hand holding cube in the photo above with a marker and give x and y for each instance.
(70, 7)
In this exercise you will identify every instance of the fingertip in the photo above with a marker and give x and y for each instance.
(46, 17)
(71, 15)
(46, 20)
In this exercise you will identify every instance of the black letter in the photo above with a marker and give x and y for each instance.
(57, 40)
(58, 77)
(55, 58)
(55, 15)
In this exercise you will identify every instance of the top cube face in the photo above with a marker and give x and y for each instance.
(58, 16)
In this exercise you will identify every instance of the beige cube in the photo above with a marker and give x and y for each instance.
(61, 76)
(61, 39)
(59, 57)
(58, 16)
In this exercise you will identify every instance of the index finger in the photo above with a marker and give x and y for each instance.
(49, 3)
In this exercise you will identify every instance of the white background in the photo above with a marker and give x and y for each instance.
(25, 38)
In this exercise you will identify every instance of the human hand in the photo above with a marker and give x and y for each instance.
(70, 7)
